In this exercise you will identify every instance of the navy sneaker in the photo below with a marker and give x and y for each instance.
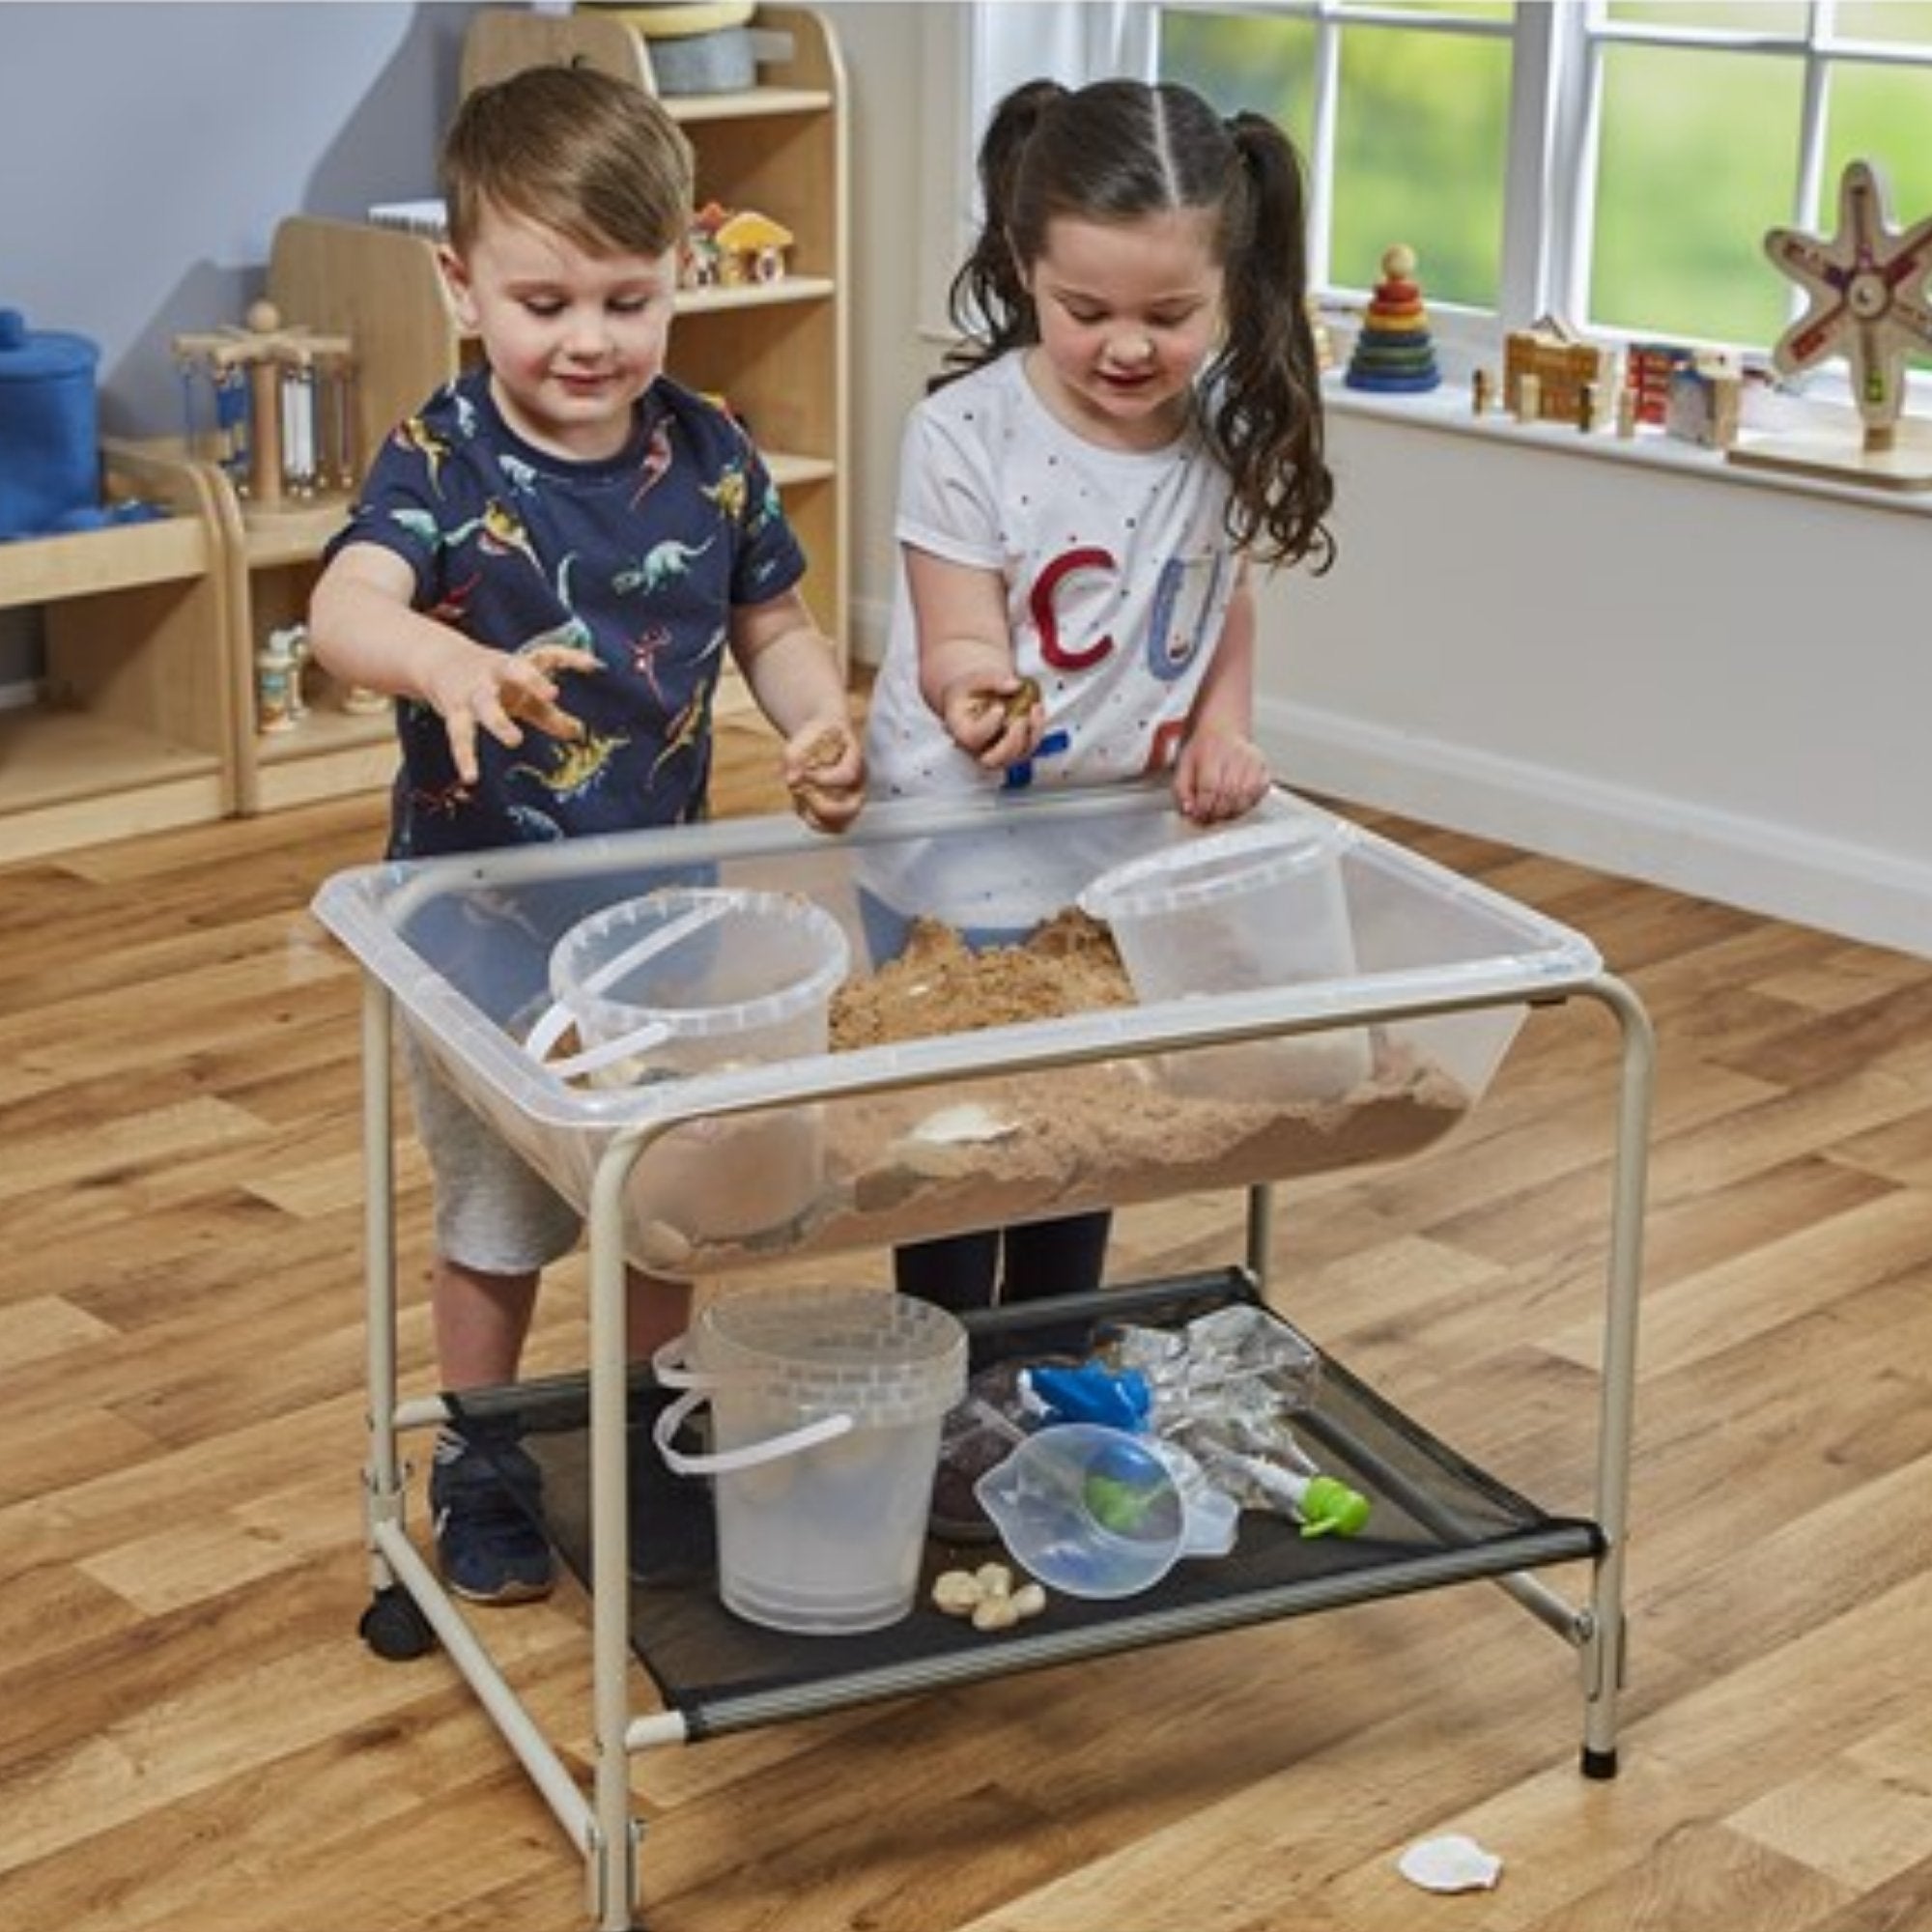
(486, 1539)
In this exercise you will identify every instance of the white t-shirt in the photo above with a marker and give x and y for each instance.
(1117, 570)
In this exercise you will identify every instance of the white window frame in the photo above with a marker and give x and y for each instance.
(1555, 107)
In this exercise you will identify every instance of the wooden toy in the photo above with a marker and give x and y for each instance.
(726, 249)
(1320, 334)
(1706, 395)
(1648, 368)
(752, 247)
(1867, 300)
(1395, 351)
(1562, 364)
(283, 400)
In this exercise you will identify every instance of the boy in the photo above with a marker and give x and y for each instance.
(545, 569)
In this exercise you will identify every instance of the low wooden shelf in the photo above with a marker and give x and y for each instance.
(131, 729)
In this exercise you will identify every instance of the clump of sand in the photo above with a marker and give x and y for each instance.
(939, 986)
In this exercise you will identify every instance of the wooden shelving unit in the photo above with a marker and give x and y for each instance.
(148, 716)
(134, 726)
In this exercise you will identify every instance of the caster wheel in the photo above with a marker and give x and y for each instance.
(394, 1627)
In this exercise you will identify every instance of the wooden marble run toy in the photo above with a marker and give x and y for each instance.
(1867, 300)
(273, 404)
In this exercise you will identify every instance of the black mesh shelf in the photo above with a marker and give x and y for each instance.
(1438, 1519)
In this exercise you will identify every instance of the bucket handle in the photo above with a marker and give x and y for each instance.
(550, 1029)
(557, 1016)
(672, 1370)
(749, 1455)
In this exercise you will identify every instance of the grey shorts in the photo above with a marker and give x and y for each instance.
(494, 1212)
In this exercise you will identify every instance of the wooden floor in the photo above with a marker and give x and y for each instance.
(193, 1738)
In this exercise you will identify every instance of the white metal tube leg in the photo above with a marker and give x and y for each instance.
(1604, 1651)
(614, 1868)
(382, 1478)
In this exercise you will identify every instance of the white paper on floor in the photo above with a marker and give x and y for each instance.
(1451, 1862)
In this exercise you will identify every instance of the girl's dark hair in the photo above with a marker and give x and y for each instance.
(1116, 151)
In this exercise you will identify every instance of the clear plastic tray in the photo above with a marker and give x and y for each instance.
(965, 1128)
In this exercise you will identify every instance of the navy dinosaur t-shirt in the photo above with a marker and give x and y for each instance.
(638, 558)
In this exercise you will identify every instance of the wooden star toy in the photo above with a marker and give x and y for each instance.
(1864, 302)
(1867, 301)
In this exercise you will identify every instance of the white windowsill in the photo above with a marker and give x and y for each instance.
(1446, 410)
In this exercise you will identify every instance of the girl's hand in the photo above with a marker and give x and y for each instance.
(473, 687)
(998, 720)
(824, 773)
(1219, 777)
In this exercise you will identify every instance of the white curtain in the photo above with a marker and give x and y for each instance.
(1014, 41)
(978, 52)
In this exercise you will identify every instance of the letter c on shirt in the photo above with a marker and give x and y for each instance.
(1040, 603)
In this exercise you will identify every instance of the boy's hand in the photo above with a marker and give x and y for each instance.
(1219, 776)
(824, 773)
(998, 720)
(475, 688)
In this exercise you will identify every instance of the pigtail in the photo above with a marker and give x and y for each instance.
(987, 303)
(1263, 392)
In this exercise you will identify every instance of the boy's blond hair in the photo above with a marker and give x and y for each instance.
(588, 155)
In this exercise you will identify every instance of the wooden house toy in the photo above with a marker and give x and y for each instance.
(1572, 380)
(752, 247)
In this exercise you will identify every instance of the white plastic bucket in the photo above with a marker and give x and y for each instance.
(826, 1408)
(689, 980)
(1254, 908)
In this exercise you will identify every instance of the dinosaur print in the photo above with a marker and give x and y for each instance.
(520, 476)
(663, 563)
(657, 460)
(578, 766)
(416, 435)
(730, 492)
(687, 728)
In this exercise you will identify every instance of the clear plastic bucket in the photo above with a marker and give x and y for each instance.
(1252, 909)
(690, 980)
(826, 1408)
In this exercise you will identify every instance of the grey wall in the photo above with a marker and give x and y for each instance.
(151, 149)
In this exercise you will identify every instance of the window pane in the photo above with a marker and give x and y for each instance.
(1880, 114)
(1448, 9)
(1697, 160)
(1422, 128)
(1724, 16)
(1239, 61)
(1907, 21)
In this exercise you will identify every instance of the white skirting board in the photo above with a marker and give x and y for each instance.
(1878, 898)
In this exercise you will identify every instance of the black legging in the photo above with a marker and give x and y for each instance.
(1042, 1258)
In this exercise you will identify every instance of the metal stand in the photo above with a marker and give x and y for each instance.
(602, 1824)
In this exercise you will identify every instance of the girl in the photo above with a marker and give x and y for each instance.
(1135, 413)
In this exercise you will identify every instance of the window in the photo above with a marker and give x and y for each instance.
(1617, 161)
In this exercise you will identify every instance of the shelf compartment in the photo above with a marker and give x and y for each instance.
(70, 779)
(41, 570)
